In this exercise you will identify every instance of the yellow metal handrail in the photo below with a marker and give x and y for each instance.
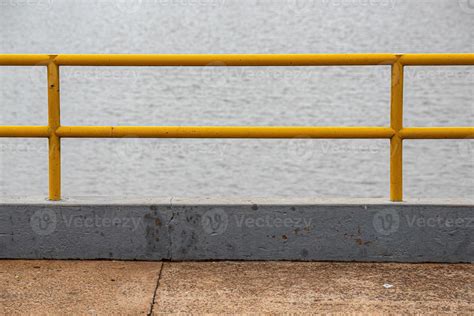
(396, 132)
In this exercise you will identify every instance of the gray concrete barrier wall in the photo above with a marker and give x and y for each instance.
(259, 229)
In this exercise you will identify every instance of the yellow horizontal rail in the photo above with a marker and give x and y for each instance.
(235, 59)
(297, 132)
(436, 59)
(25, 59)
(224, 132)
(437, 133)
(396, 132)
(24, 131)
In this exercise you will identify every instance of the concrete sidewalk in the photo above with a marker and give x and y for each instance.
(112, 287)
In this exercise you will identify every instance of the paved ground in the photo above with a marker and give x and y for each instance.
(111, 287)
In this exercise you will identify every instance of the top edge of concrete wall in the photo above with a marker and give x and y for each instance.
(108, 200)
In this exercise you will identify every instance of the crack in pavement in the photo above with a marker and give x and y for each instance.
(153, 299)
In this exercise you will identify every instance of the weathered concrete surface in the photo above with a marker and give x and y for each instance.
(257, 229)
(37, 287)
(127, 288)
(288, 287)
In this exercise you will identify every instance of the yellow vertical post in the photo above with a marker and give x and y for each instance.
(396, 142)
(54, 140)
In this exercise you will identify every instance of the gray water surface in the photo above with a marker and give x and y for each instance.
(321, 96)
